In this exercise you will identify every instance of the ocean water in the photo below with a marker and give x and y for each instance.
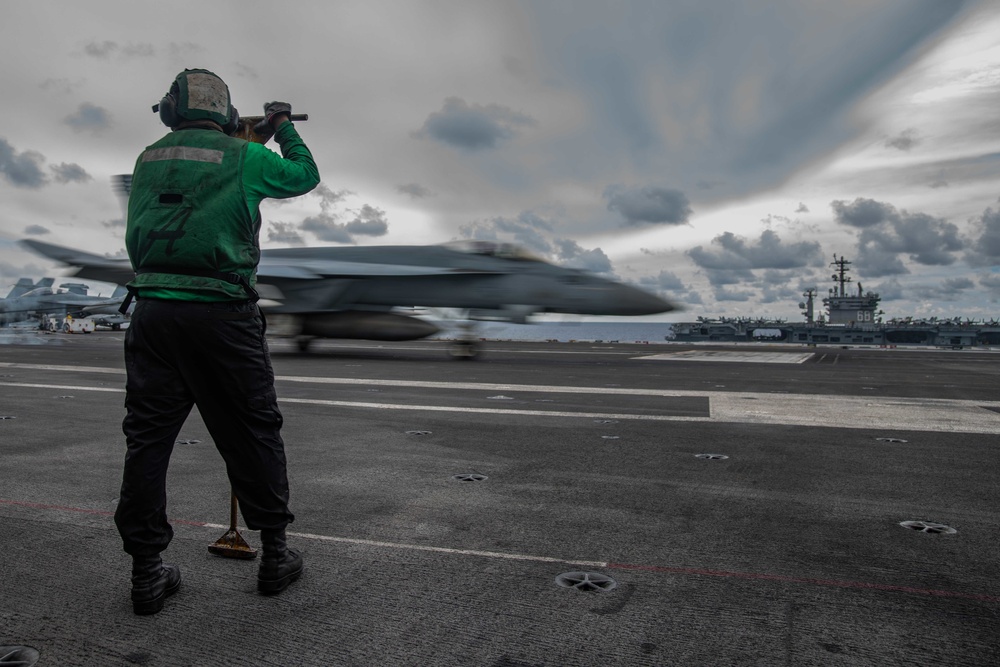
(621, 332)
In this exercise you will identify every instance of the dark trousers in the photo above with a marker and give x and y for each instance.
(213, 355)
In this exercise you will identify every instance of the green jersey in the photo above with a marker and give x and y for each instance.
(194, 210)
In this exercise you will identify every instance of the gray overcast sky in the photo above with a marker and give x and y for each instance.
(719, 153)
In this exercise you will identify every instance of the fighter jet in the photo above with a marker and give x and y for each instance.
(29, 300)
(370, 292)
(26, 285)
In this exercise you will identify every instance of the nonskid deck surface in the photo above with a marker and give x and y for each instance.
(548, 504)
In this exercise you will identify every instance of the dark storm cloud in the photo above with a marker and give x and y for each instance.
(802, 208)
(369, 221)
(473, 127)
(692, 298)
(957, 284)
(903, 141)
(23, 170)
(985, 248)
(991, 281)
(665, 280)
(89, 117)
(414, 190)
(329, 198)
(106, 49)
(776, 286)
(648, 205)
(769, 252)
(887, 233)
(572, 255)
(862, 212)
(890, 290)
(535, 234)
(326, 228)
(723, 294)
(528, 230)
(876, 263)
(480, 230)
(777, 294)
(929, 241)
(36, 230)
(706, 259)
(669, 285)
(100, 49)
(950, 290)
(924, 239)
(736, 258)
(70, 173)
(284, 232)
(721, 277)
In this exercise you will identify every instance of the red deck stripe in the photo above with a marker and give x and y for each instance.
(753, 576)
(803, 580)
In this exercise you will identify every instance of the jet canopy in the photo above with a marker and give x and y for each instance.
(493, 249)
(39, 291)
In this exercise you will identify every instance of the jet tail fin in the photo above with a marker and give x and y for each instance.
(23, 285)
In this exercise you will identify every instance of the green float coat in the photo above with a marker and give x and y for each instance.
(194, 208)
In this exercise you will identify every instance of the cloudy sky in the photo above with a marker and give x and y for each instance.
(718, 153)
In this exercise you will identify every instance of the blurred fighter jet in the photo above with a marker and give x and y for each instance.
(358, 292)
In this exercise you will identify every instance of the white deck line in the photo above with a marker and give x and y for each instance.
(853, 412)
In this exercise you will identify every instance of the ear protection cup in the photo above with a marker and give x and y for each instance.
(234, 121)
(168, 108)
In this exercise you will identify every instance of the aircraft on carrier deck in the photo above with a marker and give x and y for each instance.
(25, 285)
(850, 319)
(28, 300)
(359, 292)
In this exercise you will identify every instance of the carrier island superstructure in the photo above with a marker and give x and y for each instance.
(852, 317)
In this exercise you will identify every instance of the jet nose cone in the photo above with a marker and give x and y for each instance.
(634, 301)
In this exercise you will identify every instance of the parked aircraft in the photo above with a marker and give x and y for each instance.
(358, 292)
(26, 285)
(29, 300)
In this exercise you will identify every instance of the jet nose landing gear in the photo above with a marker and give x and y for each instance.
(466, 346)
(464, 350)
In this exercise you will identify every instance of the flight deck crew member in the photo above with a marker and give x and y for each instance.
(197, 336)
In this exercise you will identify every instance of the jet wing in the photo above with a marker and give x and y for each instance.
(332, 268)
(91, 267)
(119, 271)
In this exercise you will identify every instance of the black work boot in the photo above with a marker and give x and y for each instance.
(279, 566)
(152, 583)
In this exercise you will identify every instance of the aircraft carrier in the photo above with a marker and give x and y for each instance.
(850, 319)
(548, 504)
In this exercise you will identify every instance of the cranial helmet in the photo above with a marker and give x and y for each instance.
(197, 94)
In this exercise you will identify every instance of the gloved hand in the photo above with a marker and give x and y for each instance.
(272, 109)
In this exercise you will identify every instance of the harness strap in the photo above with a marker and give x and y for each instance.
(233, 278)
